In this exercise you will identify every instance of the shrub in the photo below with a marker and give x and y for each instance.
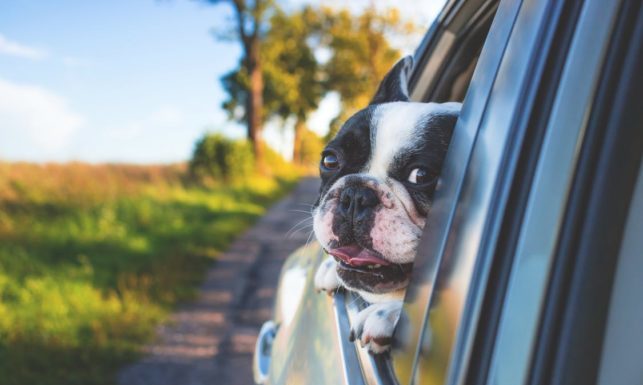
(220, 159)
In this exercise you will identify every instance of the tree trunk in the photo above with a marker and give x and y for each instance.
(300, 126)
(255, 103)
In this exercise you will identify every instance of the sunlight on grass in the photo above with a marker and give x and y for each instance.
(92, 258)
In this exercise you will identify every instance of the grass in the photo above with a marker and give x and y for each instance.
(92, 258)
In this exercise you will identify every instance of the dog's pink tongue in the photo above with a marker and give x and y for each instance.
(357, 256)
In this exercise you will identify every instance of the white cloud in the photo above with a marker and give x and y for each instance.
(35, 123)
(12, 48)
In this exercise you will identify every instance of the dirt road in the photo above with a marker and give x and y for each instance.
(211, 340)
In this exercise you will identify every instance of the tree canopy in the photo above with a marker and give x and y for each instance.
(292, 75)
(310, 52)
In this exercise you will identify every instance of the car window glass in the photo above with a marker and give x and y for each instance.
(411, 326)
(474, 200)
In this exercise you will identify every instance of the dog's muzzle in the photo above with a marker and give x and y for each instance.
(356, 204)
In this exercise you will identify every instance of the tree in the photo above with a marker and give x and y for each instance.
(249, 26)
(291, 73)
(294, 80)
(361, 54)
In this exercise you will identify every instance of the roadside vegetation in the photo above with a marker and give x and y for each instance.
(93, 257)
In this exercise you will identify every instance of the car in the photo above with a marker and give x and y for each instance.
(529, 269)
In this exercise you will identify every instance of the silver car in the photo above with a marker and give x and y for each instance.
(530, 267)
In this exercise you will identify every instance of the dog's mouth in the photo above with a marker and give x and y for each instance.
(365, 269)
(358, 257)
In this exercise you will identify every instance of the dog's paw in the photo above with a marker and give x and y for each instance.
(326, 276)
(374, 326)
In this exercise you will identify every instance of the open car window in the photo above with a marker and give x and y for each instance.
(522, 123)
(445, 64)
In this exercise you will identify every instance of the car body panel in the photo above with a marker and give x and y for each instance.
(311, 344)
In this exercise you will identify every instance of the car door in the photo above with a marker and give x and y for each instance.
(503, 301)
(483, 277)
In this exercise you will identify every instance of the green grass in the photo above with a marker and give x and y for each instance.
(92, 258)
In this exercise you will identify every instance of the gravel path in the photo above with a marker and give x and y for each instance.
(211, 340)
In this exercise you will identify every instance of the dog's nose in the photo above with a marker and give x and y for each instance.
(357, 202)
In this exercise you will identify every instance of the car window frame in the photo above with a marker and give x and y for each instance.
(481, 131)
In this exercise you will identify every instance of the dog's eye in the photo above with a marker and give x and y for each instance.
(418, 176)
(330, 161)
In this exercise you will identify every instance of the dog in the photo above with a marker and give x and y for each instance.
(378, 177)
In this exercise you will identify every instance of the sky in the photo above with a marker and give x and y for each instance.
(128, 81)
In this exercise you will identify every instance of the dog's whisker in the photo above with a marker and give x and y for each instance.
(300, 211)
(304, 222)
(301, 225)
(310, 237)
(298, 224)
(298, 230)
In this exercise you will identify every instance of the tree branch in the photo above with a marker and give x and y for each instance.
(240, 8)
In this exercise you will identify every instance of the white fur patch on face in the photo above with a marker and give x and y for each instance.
(323, 215)
(393, 129)
(323, 223)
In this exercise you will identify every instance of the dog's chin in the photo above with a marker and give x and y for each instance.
(364, 270)
(378, 281)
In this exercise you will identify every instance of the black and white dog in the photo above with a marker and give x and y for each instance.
(378, 177)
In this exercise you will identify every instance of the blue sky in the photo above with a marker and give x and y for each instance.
(121, 80)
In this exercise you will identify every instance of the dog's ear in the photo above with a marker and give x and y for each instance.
(395, 86)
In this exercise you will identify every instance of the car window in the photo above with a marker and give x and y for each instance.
(445, 63)
(453, 268)
(495, 65)
(443, 73)
(431, 270)
(481, 137)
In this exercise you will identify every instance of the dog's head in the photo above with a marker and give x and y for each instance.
(378, 177)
